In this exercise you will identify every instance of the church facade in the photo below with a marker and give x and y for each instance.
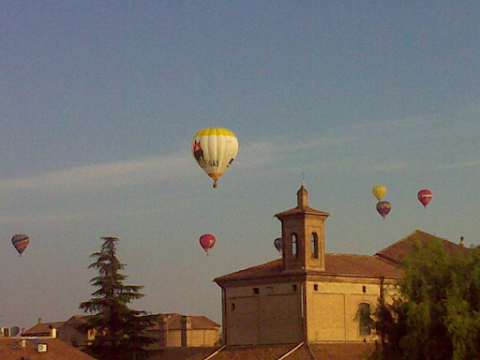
(307, 295)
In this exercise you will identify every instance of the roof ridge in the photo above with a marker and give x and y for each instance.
(415, 232)
(399, 241)
(343, 254)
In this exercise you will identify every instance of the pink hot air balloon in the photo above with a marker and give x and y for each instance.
(424, 196)
(207, 242)
(20, 242)
(383, 208)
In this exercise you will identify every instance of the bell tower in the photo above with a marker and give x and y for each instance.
(303, 236)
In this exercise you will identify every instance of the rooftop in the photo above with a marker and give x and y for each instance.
(347, 265)
(11, 348)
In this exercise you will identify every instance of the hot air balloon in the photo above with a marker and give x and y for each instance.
(278, 243)
(379, 192)
(383, 208)
(207, 241)
(20, 242)
(424, 196)
(214, 150)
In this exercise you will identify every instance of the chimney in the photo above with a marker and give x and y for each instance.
(186, 326)
(23, 343)
(40, 321)
(53, 333)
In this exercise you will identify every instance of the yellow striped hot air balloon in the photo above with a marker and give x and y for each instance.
(214, 149)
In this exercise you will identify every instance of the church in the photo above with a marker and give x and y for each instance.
(309, 296)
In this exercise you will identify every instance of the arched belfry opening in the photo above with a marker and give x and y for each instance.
(304, 235)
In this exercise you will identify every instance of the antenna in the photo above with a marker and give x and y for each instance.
(303, 178)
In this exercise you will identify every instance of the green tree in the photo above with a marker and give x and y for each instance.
(120, 331)
(436, 315)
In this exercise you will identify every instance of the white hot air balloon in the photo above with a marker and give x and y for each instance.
(214, 149)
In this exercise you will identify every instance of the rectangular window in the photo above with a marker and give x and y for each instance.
(256, 291)
(315, 287)
(233, 306)
(364, 319)
(294, 287)
(364, 289)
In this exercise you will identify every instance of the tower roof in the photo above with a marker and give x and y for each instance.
(302, 206)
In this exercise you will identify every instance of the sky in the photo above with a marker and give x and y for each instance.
(99, 101)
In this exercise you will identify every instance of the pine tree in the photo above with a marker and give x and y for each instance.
(120, 332)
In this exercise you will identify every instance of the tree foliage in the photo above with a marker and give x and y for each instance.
(120, 332)
(436, 315)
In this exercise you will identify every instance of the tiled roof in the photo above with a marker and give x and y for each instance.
(335, 265)
(43, 329)
(197, 322)
(310, 351)
(302, 210)
(396, 252)
(182, 353)
(273, 352)
(11, 348)
(341, 351)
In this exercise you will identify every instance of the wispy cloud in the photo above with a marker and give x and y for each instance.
(459, 165)
(102, 176)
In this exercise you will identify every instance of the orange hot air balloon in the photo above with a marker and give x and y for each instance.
(424, 196)
(207, 241)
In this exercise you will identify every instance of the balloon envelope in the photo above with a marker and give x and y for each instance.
(20, 242)
(207, 241)
(278, 242)
(214, 149)
(425, 196)
(383, 208)
(379, 191)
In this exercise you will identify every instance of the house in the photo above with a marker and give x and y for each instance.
(171, 330)
(176, 330)
(42, 328)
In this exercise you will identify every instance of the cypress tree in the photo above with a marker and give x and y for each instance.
(120, 332)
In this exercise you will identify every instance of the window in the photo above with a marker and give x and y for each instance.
(294, 287)
(364, 319)
(364, 289)
(256, 291)
(314, 246)
(233, 306)
(294, 245)
(315, 287)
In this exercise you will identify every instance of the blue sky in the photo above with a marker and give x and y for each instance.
(99, 102)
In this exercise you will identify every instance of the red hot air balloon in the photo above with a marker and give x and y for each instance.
(20, 242)
(278, 242)
(383, 208)
(424, 196)
(207, 242)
